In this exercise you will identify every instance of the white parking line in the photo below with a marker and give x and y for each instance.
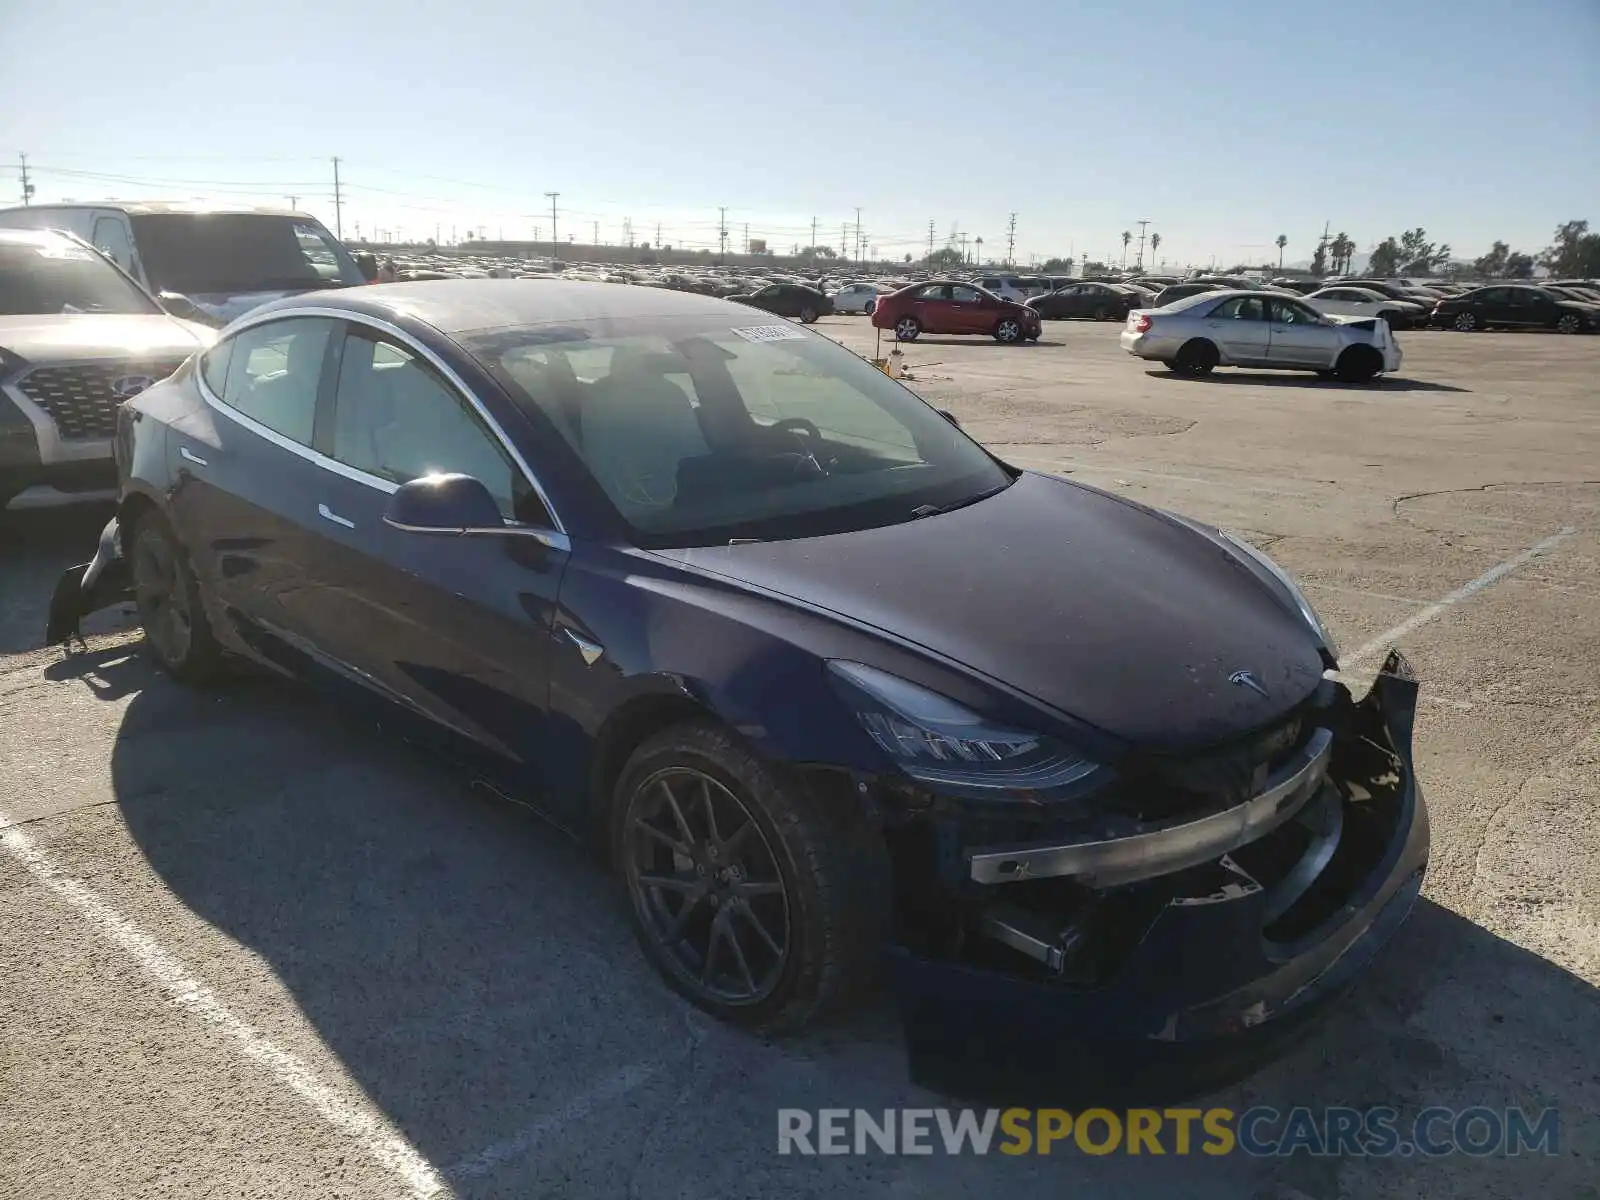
(333, 1105)
(486, 1160)
(1443, 605)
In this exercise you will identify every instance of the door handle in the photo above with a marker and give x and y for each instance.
(328, 514)
(189, 455)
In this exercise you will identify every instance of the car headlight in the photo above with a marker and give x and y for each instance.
(1289, 586)
(941, 743)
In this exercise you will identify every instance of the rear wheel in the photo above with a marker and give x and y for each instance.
(753, 898)
(866, 309)
(1197, 357)
(1569, 323)
(168, 598)
(906, 329)
(1100, 313)
(1008, 331)
(1464, 323)
(1358, 364)
(808, 315)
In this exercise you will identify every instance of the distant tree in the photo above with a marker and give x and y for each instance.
(1126, 238)
(1342, 249)
(908, 256)
(1575, 252)
(1281, 241)
(1319, 260)
(1493, 264)
(945, 257)
(1155, 244)
(818, 252)
(1518, 266)
(1385, 258)
(1419, 256)
(1094, 268)
(1057, 266)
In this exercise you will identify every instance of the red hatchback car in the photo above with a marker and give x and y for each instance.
(945, 306)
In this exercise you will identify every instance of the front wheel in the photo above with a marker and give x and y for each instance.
(906, 329)
(167, 595)
(1569, 323)
(808, 315)
(754, 899)
(1358, 364)
(1100, 313)
(1464, 323)
(1008, 331)
(866, 309)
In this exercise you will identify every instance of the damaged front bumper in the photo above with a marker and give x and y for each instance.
(1158, 964)
(84, 588)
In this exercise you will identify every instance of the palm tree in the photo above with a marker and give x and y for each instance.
(977, 257)
(1126, 238)
(1343, 248)
(1283, 240)
(1155, 244)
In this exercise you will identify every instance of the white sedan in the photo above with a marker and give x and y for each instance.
(855, 297)
(1364, 302)
(1270, 330)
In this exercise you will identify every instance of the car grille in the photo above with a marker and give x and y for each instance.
(1164, 786)
(80, 400)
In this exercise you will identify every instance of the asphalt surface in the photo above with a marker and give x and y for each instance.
(252, 948)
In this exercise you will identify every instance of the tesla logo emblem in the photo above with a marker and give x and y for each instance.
(126, 387)
(1245, 679)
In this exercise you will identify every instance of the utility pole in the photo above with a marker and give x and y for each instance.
(930, 243)
(747, 237)
(555, 243)
(1139, 265)
(658, 235)
(813, 237)
(1011, 237)
(596, 240)
(844, 241)
(27, 188)
(722, 233)
(294, 202)
(858, 234)
(338, 203)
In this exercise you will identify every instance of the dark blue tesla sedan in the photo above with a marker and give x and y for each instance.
(832, 688)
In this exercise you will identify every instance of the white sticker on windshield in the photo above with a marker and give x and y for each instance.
(769, 333)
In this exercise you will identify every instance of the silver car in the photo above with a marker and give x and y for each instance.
(1270, 330)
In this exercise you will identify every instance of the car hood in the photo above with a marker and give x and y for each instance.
(1108, 612)
(82, 337)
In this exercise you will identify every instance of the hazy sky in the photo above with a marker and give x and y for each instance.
(1224, 124)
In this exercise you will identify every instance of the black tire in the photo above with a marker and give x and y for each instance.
(906, 329)
(1358, 364)
(1008, 331)
(1100, 313)
(1329, 374)
(1464, 322)
(830, 869)
(866, 309)
(1569, 323)
(1197, 356)
(1171, 364)
(168, 598)
(808, 315)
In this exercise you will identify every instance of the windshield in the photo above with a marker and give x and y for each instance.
(699, 433)
(59, 276)
(233, 253)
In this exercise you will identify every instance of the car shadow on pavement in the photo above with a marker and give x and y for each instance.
(472, 971)
(1304, 380)
(109, 672)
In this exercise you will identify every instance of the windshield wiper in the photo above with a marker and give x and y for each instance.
(932, 510)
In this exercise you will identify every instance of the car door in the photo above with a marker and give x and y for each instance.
(1239, 328)
(1492, 306)
(1297, 337)
(244, 476)
(931, 306)
(769, 298)
(971, 311)
(456, 629)
(1531, 308)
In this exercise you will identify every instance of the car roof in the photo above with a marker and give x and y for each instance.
(462, 305)
(143, 208)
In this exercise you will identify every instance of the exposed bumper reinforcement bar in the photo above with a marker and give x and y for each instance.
(1171, 847)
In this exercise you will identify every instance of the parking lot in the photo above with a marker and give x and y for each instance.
(253, 948)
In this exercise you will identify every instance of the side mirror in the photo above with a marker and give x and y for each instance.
(443, 504)
(367, 264)
(949, 416)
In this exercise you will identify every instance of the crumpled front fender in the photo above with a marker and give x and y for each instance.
(88, 587)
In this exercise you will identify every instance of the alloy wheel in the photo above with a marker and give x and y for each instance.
(1466, 322)
(1569, 323)
(1008, 330)
(162, 598)
(906, 329)
(707, 887)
